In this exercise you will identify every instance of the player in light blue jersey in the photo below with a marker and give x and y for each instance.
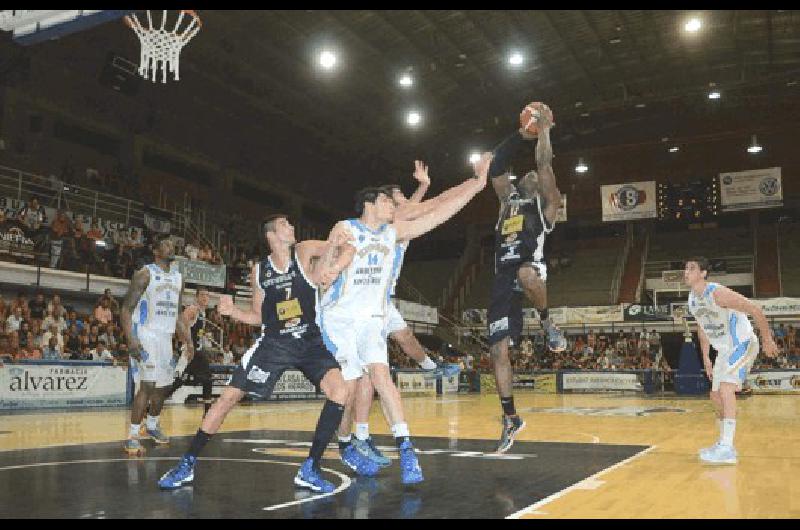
(150, 317)
(353, 311)
(722, 322)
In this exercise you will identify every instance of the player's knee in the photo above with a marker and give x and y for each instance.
(338, 394)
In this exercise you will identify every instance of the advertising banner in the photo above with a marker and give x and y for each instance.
(640, 313)
(757, 188)
(415, 383)
(450, 384)
(24, 386)
(417, 312)
(587, 315)
(625, 202)
(779, 306)
(769, 382)
(587, 381)
(201, 273)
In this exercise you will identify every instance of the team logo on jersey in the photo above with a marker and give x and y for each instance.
(498, 325)
(511, 237)
(769, 186)
(257, 375)
(372, 259)
(627, 198)
(292, 322)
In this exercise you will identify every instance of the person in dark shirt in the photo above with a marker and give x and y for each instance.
(37, 307)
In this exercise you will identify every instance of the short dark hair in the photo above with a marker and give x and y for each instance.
(389, 188)
(702, 263)
(367, 195)
(268, 224)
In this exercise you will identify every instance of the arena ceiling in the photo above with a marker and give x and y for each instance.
(610, 76)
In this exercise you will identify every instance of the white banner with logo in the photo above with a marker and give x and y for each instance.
(775, 382)
(623, 202)
(600, 381)
(779, 306)
(24, 386)
(587, 315)
(416, 383)
(417, 312)
(757, 188)
(450, 384)
(293, 382)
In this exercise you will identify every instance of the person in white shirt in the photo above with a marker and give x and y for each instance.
(53, 333)
(14, 320)
(102, 354)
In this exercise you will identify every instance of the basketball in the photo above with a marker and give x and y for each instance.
(529, 117)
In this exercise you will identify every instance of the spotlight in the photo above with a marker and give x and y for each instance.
(674, 149)
(714, 95)
(474, 157)
(406, 81)
(413, 118)
(581, 167)
(327, 59)
(754, 146)
(693, 25)
(516, 59)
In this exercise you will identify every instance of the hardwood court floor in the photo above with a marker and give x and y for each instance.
(666, 481)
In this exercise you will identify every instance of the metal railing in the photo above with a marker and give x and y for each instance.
(645, 251)
(619, 270)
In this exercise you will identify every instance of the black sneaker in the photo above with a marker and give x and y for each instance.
(511, 427)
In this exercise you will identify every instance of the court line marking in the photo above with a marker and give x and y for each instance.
(343, 486)
(586, 483)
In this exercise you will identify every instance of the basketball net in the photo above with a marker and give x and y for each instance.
(162, 47)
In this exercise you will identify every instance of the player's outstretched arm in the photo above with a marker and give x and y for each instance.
(548, 188)
(139, 282)
(183, 331)
(324, 270)
(411, 211)
(730, 299)
(408, 230)
(251, 316)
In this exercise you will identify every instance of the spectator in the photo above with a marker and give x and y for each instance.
(33, 217)
(51, 351)
(4, 309)
(102, 354)
(59, 229)
(24, 338)
(112, 302)
(191, 251)
(53, 333)
(122, 353)
(95, 233)
(239, 348)
(21, 303)
(73, 319)
(102, 313)
(73, 341)
(93, 337)
(37, 307)
(107, 335)
(14, 320)
(55, 306)
(227, 356)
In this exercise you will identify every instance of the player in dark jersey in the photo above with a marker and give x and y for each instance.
(284, 303)
(527, 214)
(197, 372)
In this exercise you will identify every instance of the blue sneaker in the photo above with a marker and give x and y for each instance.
(158, 436)
(179, 475)
(721, 454)
(362, 465)
(367, 448)
(410, 472)
(556, 340)
(308, 477)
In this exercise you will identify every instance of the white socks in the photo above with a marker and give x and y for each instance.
(134, 432)
(362, 431)
(728, 430)
(152, 422)
(400, 430)
(427, 364)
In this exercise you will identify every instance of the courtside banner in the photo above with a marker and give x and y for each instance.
(47, 386)
(757, 188)
(415, 383)
(294, 382)
(624, 202)
(600, 381)
(769, 382)
(587, 315)
(779, 306)
(417, 312)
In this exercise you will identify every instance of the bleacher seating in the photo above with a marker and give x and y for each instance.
(713, 243)
(790, 257)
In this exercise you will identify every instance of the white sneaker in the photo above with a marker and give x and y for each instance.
(708, 450)
(721, 454)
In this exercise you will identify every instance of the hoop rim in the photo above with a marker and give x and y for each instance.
(190, 12)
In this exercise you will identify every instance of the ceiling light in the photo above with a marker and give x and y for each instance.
(474, 157)
(674, 149)
(512, 177)
(406, 81)
(754, 146)
(714, 95)
(615, 40)
(581, 167)
(516, 59)
(327, 59)
(693, 25)
(413, 118)
(641, 105)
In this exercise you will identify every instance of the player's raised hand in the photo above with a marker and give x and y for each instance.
(770, 348)
(421, 172)
(482, 167)
(225, 306)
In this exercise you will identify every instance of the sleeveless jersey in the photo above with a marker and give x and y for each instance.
(399, 256)
(290, 300)
(725, 328)
(158, 308)
(198, 329)
(520, 230)
(365, 286)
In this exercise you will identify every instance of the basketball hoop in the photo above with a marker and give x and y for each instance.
(161, 46)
